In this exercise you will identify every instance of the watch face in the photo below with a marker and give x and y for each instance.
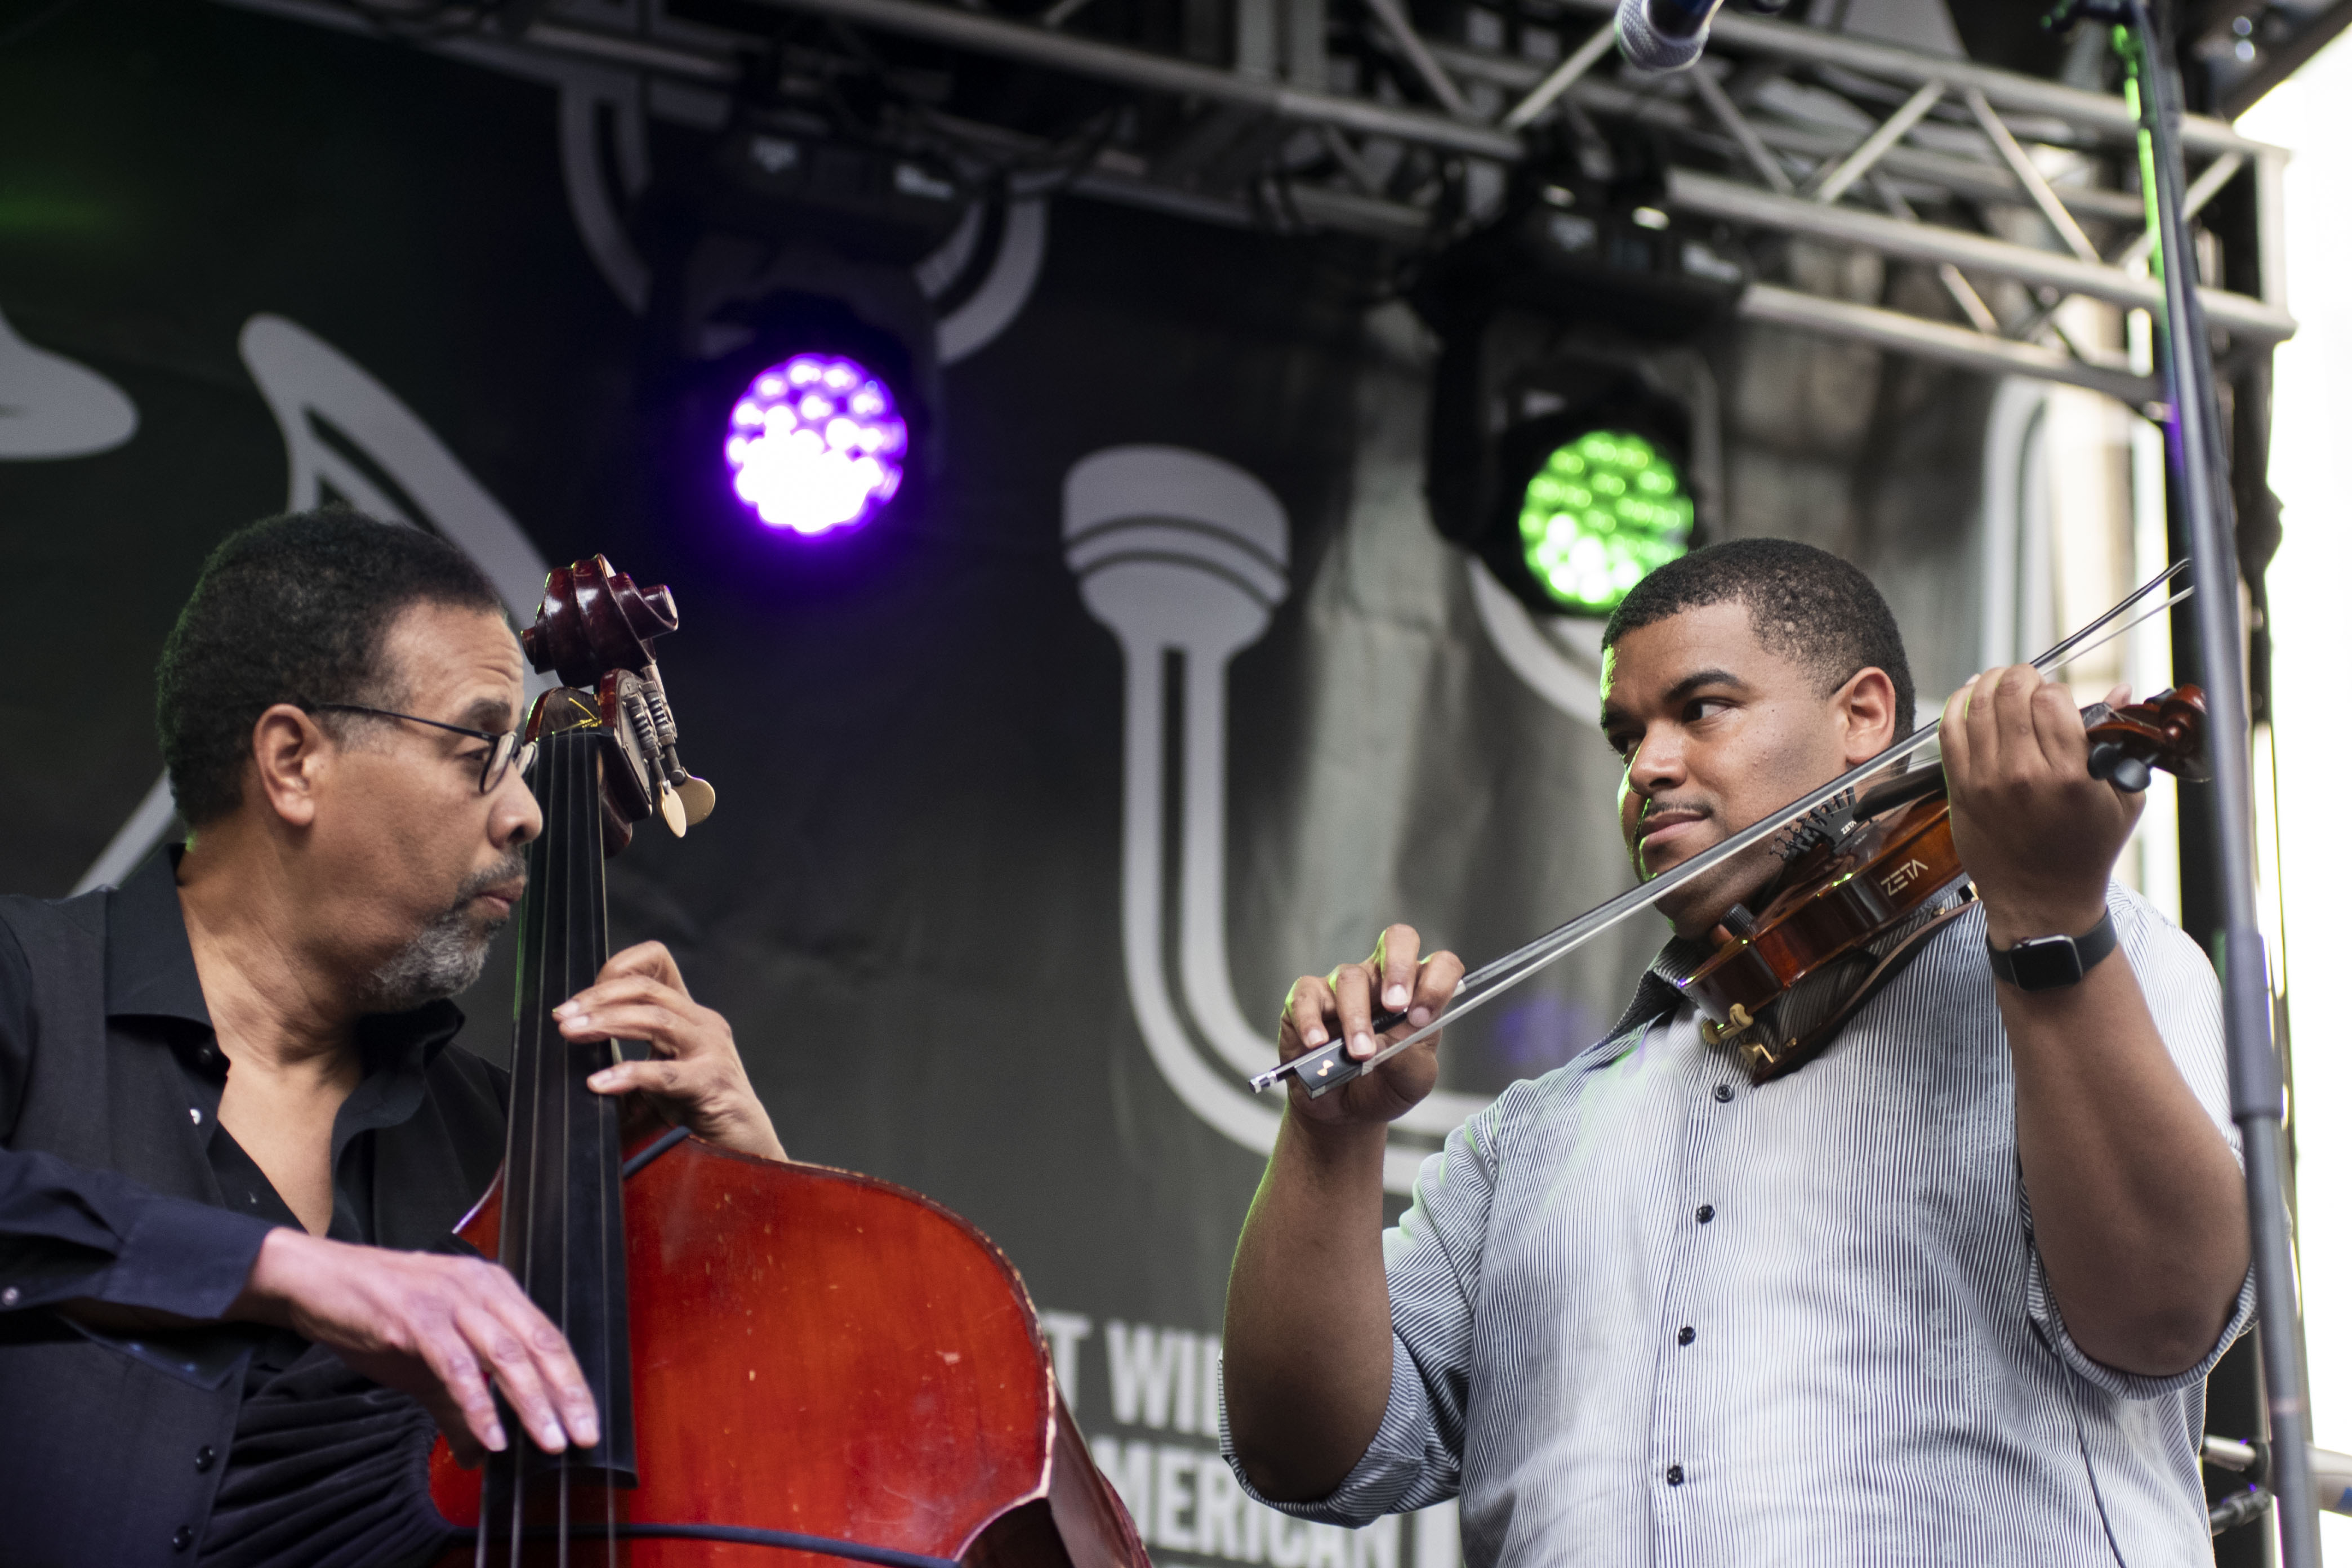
(2045, 963)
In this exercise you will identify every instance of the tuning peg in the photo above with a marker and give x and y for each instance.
(2110, 762)
(696, 798)
(673, 811)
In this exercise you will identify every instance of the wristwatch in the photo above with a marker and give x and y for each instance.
(2051, 962)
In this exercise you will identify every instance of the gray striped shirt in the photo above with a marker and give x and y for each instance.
(1645, 1313)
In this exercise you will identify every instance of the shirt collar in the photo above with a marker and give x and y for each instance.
(1661, 990)
(151, 971)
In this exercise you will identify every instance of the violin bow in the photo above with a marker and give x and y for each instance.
(1328, 1067)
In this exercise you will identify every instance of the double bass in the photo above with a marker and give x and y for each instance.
(790, 1361)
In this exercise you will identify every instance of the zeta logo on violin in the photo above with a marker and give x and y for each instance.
(1903, 875)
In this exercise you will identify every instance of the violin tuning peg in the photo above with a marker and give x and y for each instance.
(2110, 762)
(673, 810)
(698, 798)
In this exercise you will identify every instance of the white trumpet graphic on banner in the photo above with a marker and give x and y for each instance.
(1184, 557)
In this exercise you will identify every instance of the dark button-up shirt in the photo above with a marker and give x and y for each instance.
(412, 1146)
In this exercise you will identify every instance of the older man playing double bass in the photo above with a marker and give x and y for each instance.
(234, 1136)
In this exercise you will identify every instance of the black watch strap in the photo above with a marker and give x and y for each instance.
(2051, 962)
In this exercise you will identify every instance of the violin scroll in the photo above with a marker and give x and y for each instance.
(2168, 731)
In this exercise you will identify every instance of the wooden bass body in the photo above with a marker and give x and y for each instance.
(818, 1353)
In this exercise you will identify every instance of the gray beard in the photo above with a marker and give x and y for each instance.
(445, 957)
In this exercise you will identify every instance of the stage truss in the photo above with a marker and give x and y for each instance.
(1341, 117)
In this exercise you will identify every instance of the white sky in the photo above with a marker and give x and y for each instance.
(2311, 469)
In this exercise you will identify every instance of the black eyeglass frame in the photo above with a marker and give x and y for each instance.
(508, 750)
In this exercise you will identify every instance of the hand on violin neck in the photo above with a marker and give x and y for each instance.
(694, 1077)
(1346, 1004)
(2038, 834)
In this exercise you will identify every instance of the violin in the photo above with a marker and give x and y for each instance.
(785, 1358)
(1857, 870)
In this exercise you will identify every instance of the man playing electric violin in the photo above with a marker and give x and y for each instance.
(234, 1134)
(1947, 1293)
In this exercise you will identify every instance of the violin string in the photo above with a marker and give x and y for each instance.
(1491, 980)
(2048, 663)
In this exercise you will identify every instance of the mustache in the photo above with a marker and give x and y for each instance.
(512, 868)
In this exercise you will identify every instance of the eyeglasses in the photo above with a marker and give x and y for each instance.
(509, 749)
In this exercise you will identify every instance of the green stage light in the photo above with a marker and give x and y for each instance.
(1604, 512)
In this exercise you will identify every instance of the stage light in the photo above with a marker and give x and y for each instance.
(1604, 512)
(1575, 436)
(815, 444)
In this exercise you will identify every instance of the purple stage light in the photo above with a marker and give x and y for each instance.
(815, 444)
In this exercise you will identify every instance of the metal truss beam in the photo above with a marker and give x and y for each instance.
(1939, 340)
(1162, 73)
(1909, 157)
(1796, 44)
(1654, 106)
(1709, 197)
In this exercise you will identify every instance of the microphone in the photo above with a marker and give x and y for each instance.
(1664, 34)
(1670, 35)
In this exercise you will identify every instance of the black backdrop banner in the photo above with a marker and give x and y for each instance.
(1030, 804)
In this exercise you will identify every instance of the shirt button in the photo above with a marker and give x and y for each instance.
(1723, 1094)
(1673, 1475)
(205, 1458)
(183, 1538)
(1687, 1335)
(1706, 1213)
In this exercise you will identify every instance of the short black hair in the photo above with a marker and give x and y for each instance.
(290, 609)
(1806, 604)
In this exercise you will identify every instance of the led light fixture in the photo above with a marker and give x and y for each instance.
(1604, 512)
(815, 445)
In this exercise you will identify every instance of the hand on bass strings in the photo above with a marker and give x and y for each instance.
(1341, 1005)
(440, 1329)
(2038, 834)
(694, 1077)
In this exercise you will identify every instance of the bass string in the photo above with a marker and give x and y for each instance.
(547, 977)
(559, 1053)
(556, 819)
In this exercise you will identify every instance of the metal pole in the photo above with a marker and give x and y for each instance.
(2257, 1091)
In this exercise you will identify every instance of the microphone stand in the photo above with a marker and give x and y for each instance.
(2257, 1089)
